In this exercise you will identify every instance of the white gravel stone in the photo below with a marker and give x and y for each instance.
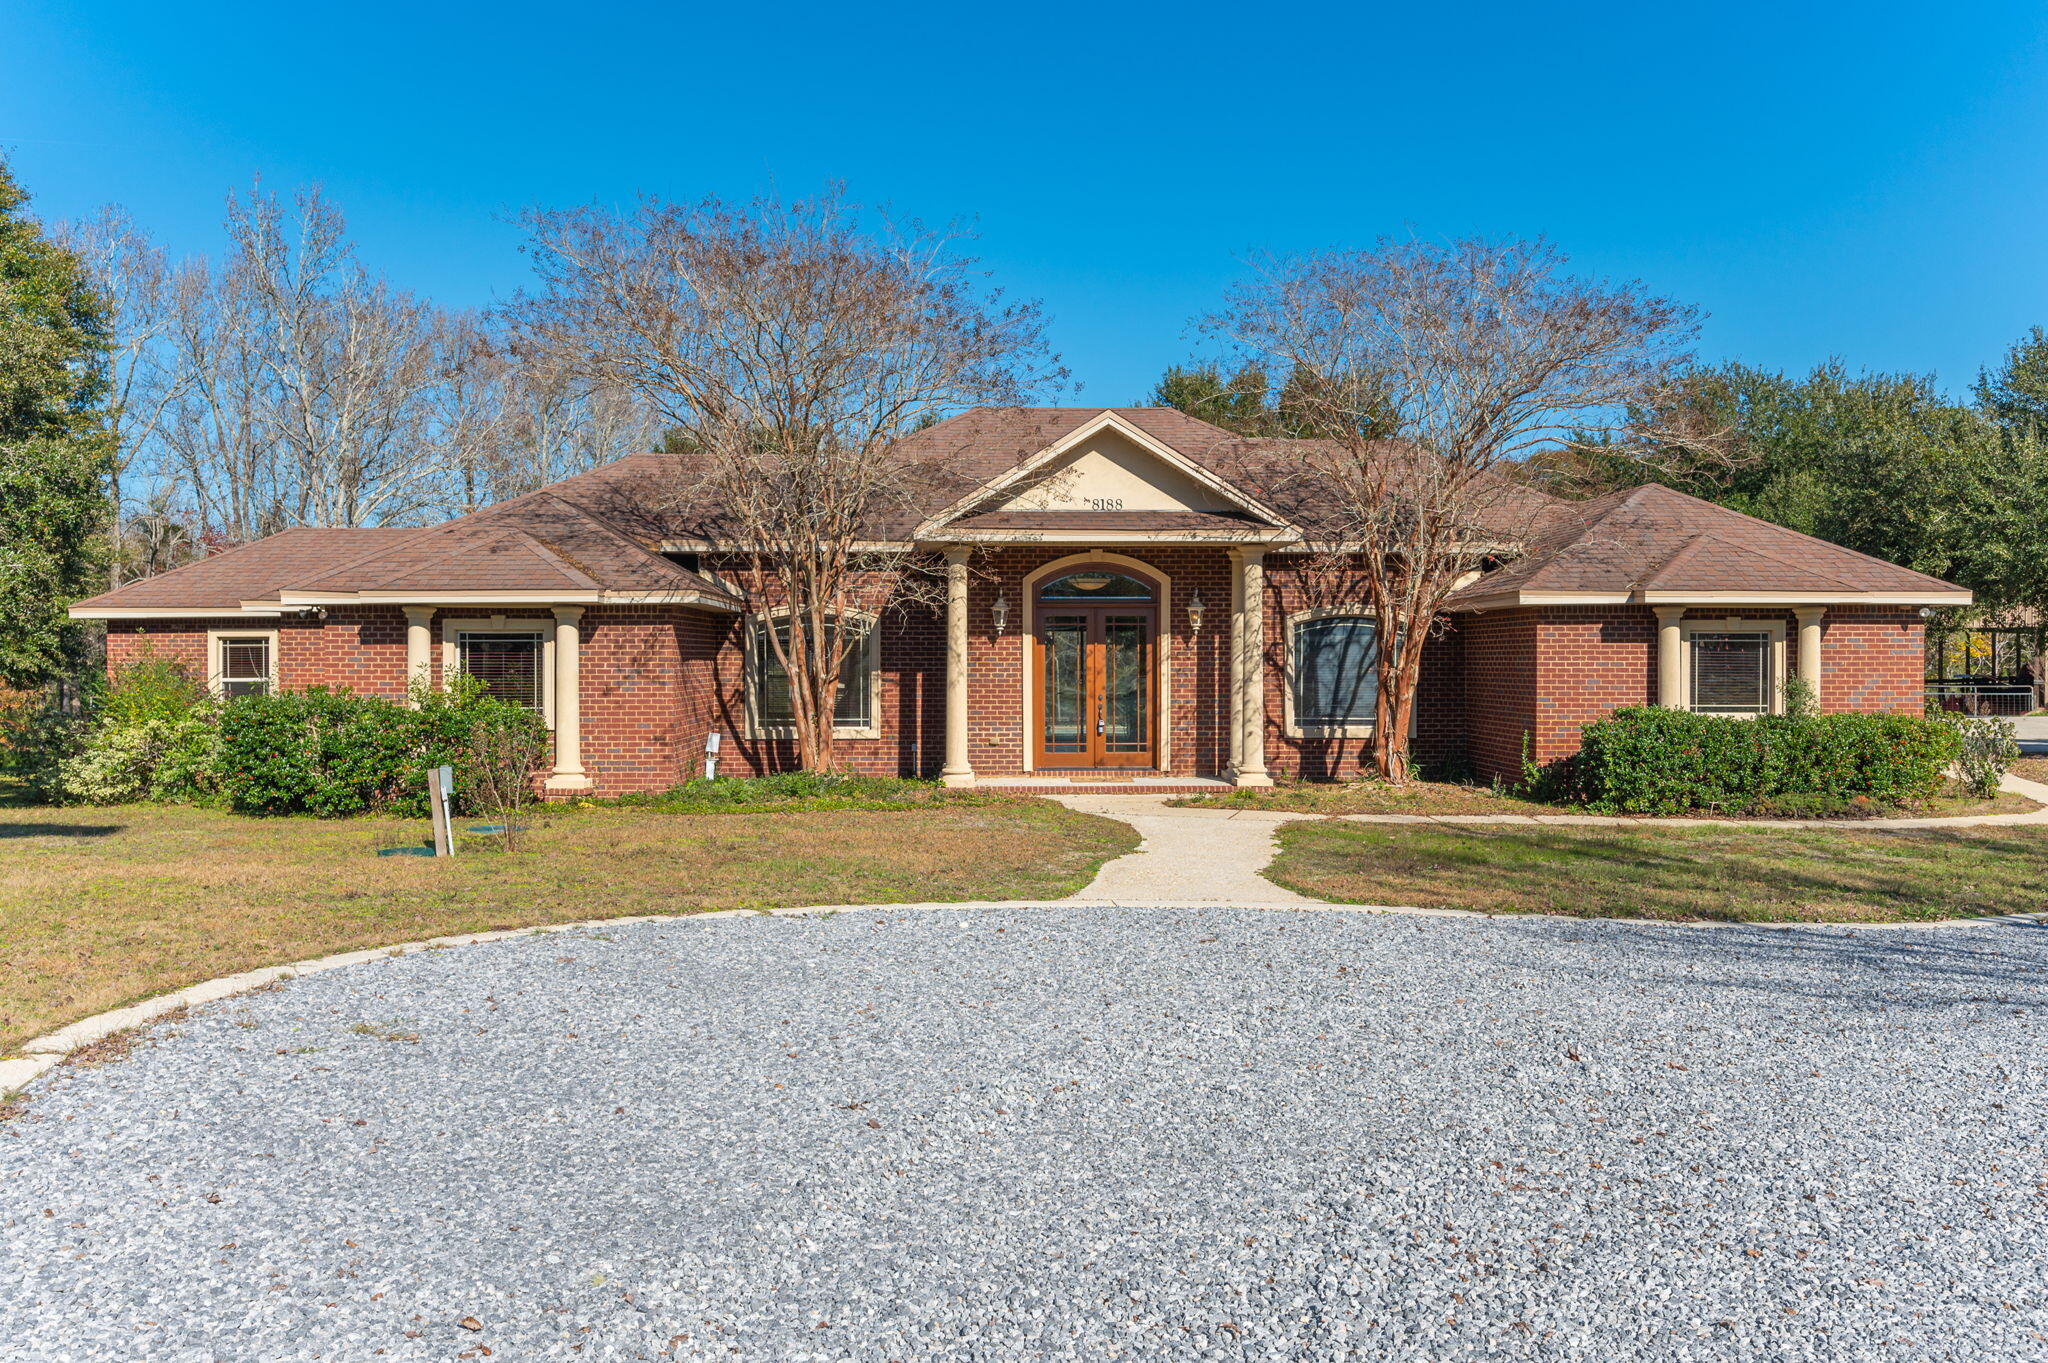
(1069, 1134)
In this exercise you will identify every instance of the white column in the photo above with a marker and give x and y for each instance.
(957, 771)
(1236, 659)
(1251, 574)
(1809, 646)
(1670, 657)
(419, 649)
(568, 774)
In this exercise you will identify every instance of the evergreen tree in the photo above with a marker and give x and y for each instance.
(2017, 395)
(54, 456)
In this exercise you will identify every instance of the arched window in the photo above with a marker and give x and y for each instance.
(1098, 584)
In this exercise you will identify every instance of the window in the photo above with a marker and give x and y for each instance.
(854, 709)
(242, 664)
(507, 662)
(1731, 673)
(1333, 682)
(1100, 585)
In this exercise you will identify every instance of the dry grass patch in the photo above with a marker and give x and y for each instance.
(103, 907)
(1728, 874)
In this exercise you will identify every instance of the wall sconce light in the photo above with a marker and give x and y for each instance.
(1000, 611)
(1195, 613)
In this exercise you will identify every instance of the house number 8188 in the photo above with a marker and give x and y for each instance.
(1105, 503)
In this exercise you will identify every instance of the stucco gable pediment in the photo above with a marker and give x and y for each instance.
(1111, 472)
(1108, 465)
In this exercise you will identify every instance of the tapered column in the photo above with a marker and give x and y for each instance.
(957, 771)
(568, 774)
(1809, 646)
(1236, 725)
(1670, 657)
(419, 650)
(1251, 763)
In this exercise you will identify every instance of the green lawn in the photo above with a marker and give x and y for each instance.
(100, 907)
(1432, 798)
(1748, 874)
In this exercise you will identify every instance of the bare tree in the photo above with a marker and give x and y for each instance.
(133, 279)
(352, 362)
(789, 345)
(1424, 374)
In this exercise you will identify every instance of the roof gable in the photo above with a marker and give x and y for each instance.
(1111, 462)
(1655, 543)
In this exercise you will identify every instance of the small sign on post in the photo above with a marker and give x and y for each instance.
(440, 799)
(711, 741)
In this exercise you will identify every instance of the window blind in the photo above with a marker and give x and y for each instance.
(772, 705)
(507, 663)
(244, 667)
(1335, 670)
(1731, 673)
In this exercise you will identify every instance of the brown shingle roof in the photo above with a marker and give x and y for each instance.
(601, 530)
(1656, 539)
(251, 572)
(537, 543)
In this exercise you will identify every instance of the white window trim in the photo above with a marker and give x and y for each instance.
(871, 650)
(216, 678)
(453, 629)
(1288, 725)
(1774, 685)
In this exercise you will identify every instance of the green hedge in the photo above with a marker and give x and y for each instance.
(1658, 761)
(328, 753)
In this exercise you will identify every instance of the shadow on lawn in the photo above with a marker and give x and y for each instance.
(59, 830)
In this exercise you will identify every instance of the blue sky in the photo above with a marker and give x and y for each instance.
(1867, 181)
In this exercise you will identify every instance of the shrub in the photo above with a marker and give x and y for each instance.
(37, 737)
(503, 747)
(153, 759)
(154, 738)
(1985, 750)
(316, 751)
(1657, 761)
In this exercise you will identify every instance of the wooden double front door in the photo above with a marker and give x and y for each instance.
(1096, 678)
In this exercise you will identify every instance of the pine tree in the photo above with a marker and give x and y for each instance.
(54, 459)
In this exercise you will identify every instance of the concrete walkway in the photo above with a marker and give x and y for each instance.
(1188, 856)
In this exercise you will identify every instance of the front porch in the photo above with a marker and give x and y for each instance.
(1088, 668)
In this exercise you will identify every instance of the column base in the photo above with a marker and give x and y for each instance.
(570, 780)
(1246, 780)
(956, 780)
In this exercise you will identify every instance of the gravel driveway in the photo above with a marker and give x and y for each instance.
(1079, 1134)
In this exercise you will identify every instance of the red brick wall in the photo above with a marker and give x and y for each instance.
(658, 679)
(1590, 661)
(1437, 738)
(1500, 688)
(1873, 660)
(1550, 671)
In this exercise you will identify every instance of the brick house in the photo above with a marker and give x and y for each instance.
(1128, 598)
